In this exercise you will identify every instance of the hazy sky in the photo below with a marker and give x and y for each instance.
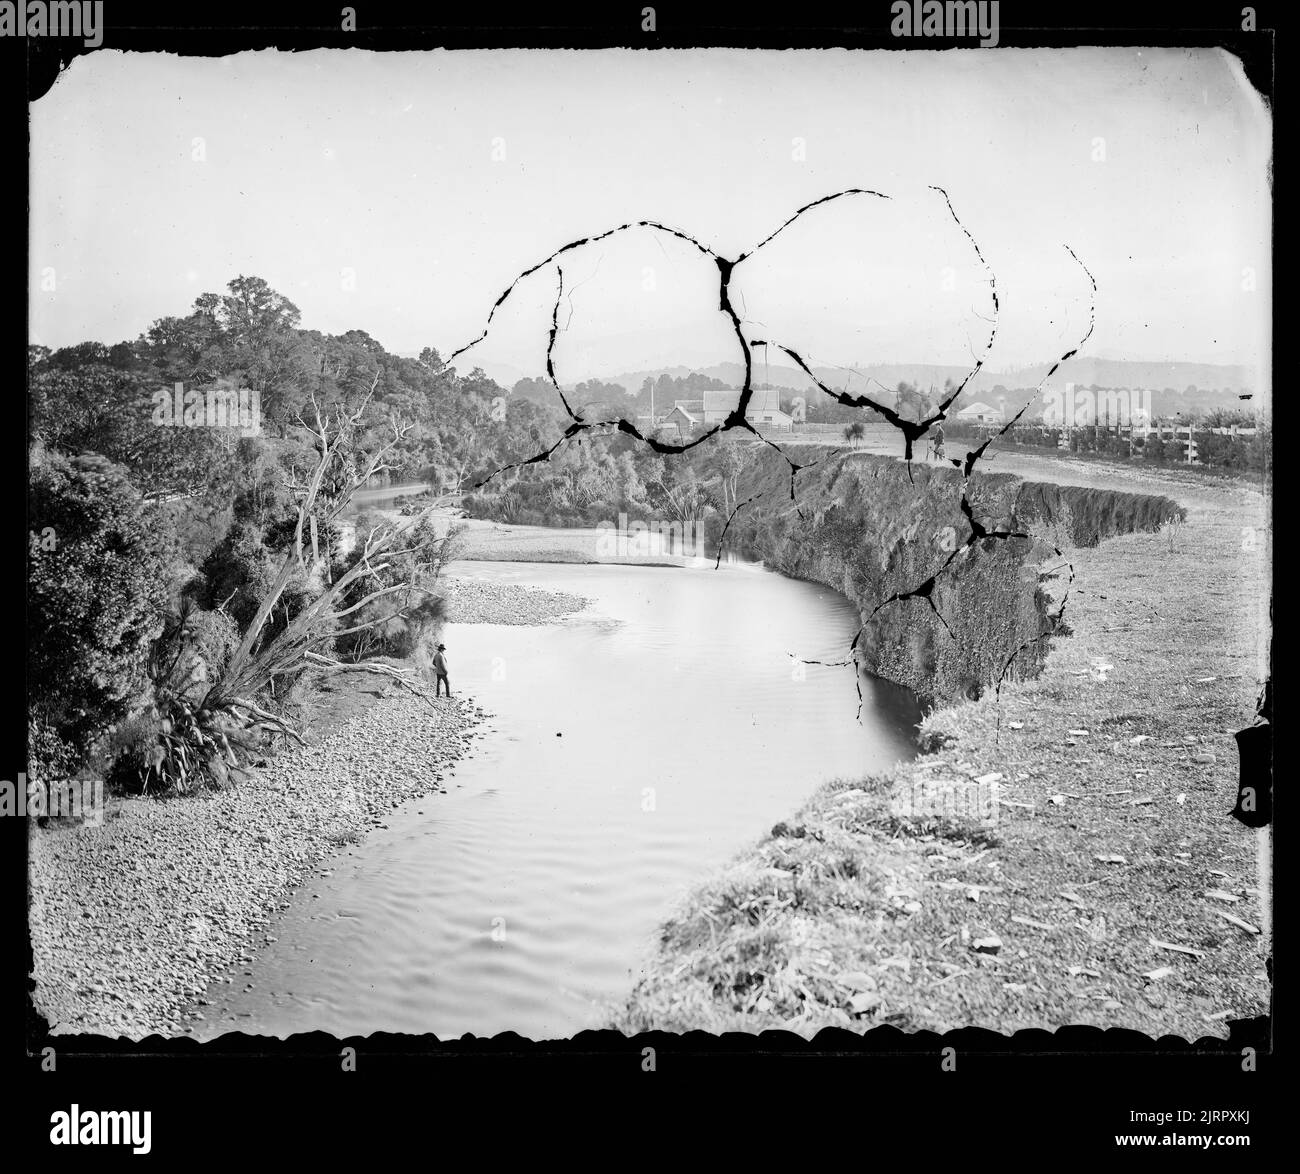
(401, 193)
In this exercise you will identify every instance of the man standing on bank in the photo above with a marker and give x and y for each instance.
(440, 667)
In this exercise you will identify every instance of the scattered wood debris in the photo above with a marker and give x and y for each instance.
(1238, 922)
(1180, 949)
(954, 974)
(1031, 922)
(1220, 895)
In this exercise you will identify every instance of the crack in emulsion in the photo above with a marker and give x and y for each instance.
(586, 240)
(851, 659)
(977, 528)
(1053, 621)
(730, 518)
(735, 419)
(550, 346)
(1053, 627)
(807, 208)
(911, 430)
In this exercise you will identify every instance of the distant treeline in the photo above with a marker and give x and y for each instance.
(663, 392)
(158, 546)
(1240, 453)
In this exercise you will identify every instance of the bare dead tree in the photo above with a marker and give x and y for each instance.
(300, 644)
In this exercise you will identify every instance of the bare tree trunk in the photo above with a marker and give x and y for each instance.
(252, 666)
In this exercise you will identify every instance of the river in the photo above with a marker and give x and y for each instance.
(634, 748)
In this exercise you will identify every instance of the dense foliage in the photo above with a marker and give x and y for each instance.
(943, 615)
(189, 561)
(158, 523)
(100, 570)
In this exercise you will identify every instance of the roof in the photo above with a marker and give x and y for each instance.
(726, 399)
(723, 401)
(978, 408)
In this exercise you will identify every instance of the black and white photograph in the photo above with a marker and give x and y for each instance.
(531, 541)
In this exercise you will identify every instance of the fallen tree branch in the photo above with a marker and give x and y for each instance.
(401, 676)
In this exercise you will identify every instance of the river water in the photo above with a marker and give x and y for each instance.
(634, 748)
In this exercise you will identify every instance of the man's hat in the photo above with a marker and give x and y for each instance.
(442, 648)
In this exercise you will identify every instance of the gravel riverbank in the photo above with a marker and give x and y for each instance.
(482, 601)
(132, 920)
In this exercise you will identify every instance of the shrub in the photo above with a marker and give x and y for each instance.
(175, 744)
(1259, 450)
(405, 619)
(1093, 514)
(97, 589)
(179, 746)
(48, 756)
(407, 627)
(193, 648)
(238, 573)
(237, 576)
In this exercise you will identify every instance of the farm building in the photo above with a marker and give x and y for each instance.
(980, 413)
(764, 409)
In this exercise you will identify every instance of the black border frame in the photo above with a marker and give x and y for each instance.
(1071, 1087)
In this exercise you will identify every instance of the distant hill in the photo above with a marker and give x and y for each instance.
(1103, 372)
(1218, 385)
(1139, 374)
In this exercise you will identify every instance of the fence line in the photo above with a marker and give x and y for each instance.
(1188, 440)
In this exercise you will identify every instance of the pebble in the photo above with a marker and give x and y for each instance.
(161, 874)
(483, 601)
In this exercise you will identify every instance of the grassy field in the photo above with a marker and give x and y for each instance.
(1114, 843)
